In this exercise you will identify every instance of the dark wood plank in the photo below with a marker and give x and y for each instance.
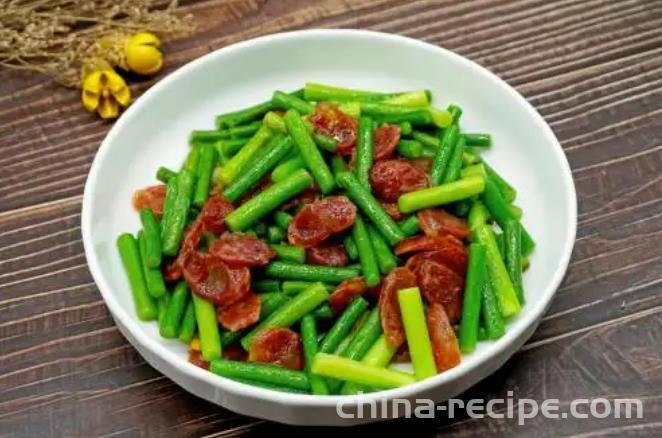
(594, 71)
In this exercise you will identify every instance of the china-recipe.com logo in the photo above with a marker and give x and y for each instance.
(523, 409)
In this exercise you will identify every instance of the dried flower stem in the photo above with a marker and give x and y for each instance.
(56, 37)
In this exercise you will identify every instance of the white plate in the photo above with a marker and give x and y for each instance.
(154, 132)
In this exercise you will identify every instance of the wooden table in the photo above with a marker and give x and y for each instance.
(593, 69)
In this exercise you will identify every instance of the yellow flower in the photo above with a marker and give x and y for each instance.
(104, 91)
(142, 54)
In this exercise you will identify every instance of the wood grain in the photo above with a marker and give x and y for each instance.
(592, 68)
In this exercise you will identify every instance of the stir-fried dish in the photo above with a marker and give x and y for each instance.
(311, 241)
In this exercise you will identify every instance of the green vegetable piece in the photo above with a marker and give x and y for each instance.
(290, 253)
(513, 248)
(385, 113)
(237, 164)
(441, 195)
(352, 109)
(172, 235)
(441, 118)
(418, 98)
(199, 136)
(188, 325)
(410, 148)
(266, 201)
(275, 122)
(168, 206)
(364, 151)
(309, 340)
(242, 131)
(416, 330)
(206, 166)
(515, 211)
(419, 117)
(499, 279)
(152, 233)
(329, 365)
(426, 139)
(470, 158)
(271, 386)
(478, 215)
(366, 252)
(175, 310)
(494, 324)
(406, 128)
(508, 192)
(287, 101)
(325, 93)
(244, 116)
(193, 158)
(482, 334)
(146, 308)
(153, 277)
(278, 147)
(266, 286)
(410, 226)
(428, 152)
(355, 345)
(283, 220)
(286, 168)
(365, 337)
(350, 247)
(210, 338)
(309, 152)
(222, 159)
(162, 305)
(275, 234)
(379, 355)
(474, 169)
(164, 174)
(324, 311)
(338, 165)
(343, 325)
(325, 142)
(478, 140)
(455, 112)
(473, 288)
(325, 274)
(333, 384)
(293, 287)
(444, 154)
(385, 258)
(455, 163)
(228, 148)
(501, 244)
(370, 207)
(416, 117)
(262, 373)
(291, 312)
(499, 210)
(255, 112)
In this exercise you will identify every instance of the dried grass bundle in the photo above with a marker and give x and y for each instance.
(67, 38)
